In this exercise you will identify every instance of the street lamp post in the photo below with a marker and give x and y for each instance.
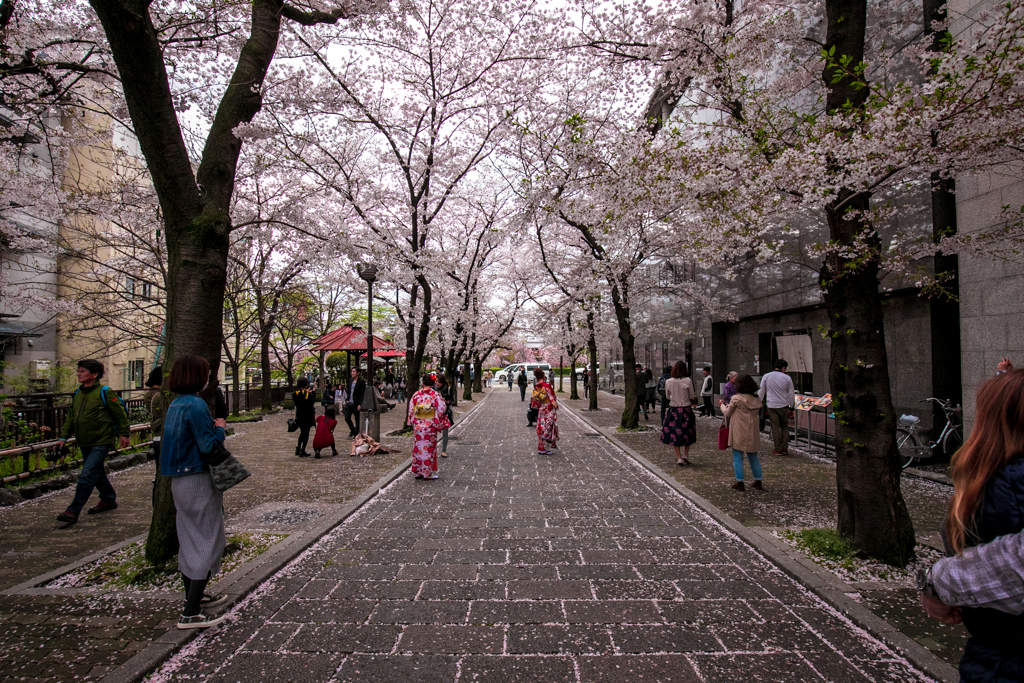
(369, 413)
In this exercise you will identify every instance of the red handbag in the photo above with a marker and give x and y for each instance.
(723, 436)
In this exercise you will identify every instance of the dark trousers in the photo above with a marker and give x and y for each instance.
(779, 418)
(664, 408)
(510, 385)
(93, 477)
(522, 393)
(303, 438)
(709, 405)
(349, 410)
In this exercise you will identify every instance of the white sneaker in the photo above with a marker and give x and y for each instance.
(210, 600)
(201, 620)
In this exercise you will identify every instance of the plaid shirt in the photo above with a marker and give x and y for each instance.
(990, 575)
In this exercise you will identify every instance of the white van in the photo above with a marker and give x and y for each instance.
(503, 374)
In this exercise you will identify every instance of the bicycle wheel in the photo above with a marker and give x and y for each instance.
(907, 444)
(952, 442)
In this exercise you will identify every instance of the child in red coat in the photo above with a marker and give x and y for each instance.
(324, 436)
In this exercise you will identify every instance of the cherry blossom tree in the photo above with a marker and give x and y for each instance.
(410, 109)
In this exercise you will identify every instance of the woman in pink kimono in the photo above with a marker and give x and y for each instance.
(426, 415)
(543, 399)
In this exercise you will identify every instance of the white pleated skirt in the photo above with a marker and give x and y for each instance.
(200, 523)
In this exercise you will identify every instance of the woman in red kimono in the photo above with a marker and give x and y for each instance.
(544, 401)
(426, 415)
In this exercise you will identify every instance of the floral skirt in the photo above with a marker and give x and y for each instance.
(680, 427)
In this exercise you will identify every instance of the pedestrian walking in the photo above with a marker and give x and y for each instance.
(729, 390)
(641, 391)
(339, 396)
(680, 426)
(189, 432)
(544, 401)
(744, 435)
(445, 389)
(154, 402)
(324, 435)
(988, 485)
(650, 391)
(401, 388)
(356, 388)
(98, 421)
(778, 394)
(521, 381)
(510, 378)
(427, 416)
(666, 375)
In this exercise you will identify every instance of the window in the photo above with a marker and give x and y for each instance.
(137, 369)
(147, 291)
(129, 287)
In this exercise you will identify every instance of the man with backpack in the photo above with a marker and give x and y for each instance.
(666, 375)
(96, 419)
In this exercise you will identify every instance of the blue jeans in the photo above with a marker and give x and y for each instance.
(737, 464)
(93, 476)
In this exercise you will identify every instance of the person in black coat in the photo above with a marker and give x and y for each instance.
(521, 381)
(356, 388)
(305, 414)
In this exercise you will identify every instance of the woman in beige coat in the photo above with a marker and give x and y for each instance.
(744, 436)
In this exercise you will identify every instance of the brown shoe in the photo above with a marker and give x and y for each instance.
(777, 452)
(102, 506)
(739, 486)
(68, 517)
(757, 485)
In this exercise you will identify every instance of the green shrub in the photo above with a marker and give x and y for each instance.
(826, 543)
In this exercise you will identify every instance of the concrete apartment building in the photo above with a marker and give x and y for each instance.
(86, 264)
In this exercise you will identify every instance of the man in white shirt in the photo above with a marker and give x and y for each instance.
(779, 395)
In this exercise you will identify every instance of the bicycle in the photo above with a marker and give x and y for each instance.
(950, 439)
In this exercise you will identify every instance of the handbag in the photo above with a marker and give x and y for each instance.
(723, 436)
(293, 424)
(225, 469)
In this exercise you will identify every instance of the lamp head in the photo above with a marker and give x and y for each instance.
(367, 271)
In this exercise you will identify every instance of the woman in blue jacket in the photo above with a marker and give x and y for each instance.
(988, 502)
(189, 432)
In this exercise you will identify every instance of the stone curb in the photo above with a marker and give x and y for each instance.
(248, 577)
(824, 584)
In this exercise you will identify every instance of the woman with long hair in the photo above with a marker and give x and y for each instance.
(680, 427)
(189, 432)
(543, 399)
(427, 417)
(988, 502)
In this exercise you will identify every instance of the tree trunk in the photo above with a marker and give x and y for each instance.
(235, 390)
(561, 379)
(415, 345)
(631, 411)
(478, 380)
(467, 383)
(592, 353)
(872, 512)
(573, 394)
(195, 206)
(265, 398)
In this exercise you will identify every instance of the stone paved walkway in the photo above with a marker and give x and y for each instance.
(579, 566)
